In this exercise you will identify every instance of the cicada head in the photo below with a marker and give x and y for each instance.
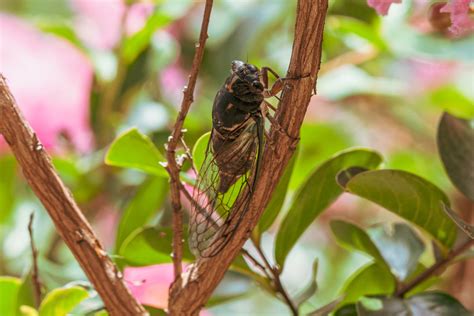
(245, 81)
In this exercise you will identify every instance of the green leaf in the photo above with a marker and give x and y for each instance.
(135, 150)
(222, 299)
(310, 289)
(278, 197)
(371, 279)
(150, 246)
(199, 150)
(7, 189)
(142, 207)
(409, 196)
(400, 247)
(453, 101)
(353, 237)
(428, 303)
(26, 310)
(349, 26)
(316, 194)
(61, 301)
(136, 43)
(9, 288)
(456, 148)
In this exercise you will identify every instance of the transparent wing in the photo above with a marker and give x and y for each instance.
(227, 175)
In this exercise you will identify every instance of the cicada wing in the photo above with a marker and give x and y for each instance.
(212, 222)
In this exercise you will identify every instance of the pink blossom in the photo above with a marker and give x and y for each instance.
(461, 22)
(99, 23)
(173, 80)
(150, 284)
(51, 81)
(429, 75)
(382, 6)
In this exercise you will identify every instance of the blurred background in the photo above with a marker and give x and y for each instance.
(84, 71)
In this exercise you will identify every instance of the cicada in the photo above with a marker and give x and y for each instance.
(233, 157)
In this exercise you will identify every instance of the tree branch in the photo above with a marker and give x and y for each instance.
(70, 223)
(198, 283)
(173, 167)
(435, 268)
(34, 258)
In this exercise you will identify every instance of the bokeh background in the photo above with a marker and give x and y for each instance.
(84, 71)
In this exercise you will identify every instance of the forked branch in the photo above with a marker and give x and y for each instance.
(198, 283)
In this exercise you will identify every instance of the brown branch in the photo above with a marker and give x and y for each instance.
(173, 167)
(279, 288)
(70, 223)
(436, 268)
(198, 283)
(34, 257)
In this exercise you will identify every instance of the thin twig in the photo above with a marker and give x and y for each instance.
(435, 268)
(277, 282)
(172, 167)
(35, 273)
(70, 223)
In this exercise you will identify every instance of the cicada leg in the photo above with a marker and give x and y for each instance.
(277, 85)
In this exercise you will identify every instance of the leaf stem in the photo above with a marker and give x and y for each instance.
(435, 268)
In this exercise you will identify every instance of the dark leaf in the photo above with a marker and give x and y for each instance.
(456, 148)
(400, 246)
(344, 176)
(408, 196)
(424, 304)
(316, 194)
(465, 227)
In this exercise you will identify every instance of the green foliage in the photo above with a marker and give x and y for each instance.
(7, 174)
(59, 302)
(9, 288)
(408, 196)
(136, 43)
(142, 207)
(430, 303)
(135, 150)
(455, 145)
(315, 195)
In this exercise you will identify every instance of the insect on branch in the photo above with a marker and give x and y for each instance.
(172, 166)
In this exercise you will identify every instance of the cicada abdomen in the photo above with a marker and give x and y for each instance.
(232, 160)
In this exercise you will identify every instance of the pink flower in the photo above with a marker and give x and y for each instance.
(173, 80)
(51, 81)
(461, 22)
(150, 284)
(429, 75)
(99, 23)
(382, 6)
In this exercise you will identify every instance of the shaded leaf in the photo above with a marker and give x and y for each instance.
(150, 246)
(141, 208)
(222, 299)
(353, 237)
(428, 303)
(408, 196)
(310, 289)
(316, 194)
(134, 150)
(347, 310)
(371, 279)
(326, 309)
(278, 197)
(59, 302)
(456, 148)
(400, 247)
(345, 175)
(9, 288)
